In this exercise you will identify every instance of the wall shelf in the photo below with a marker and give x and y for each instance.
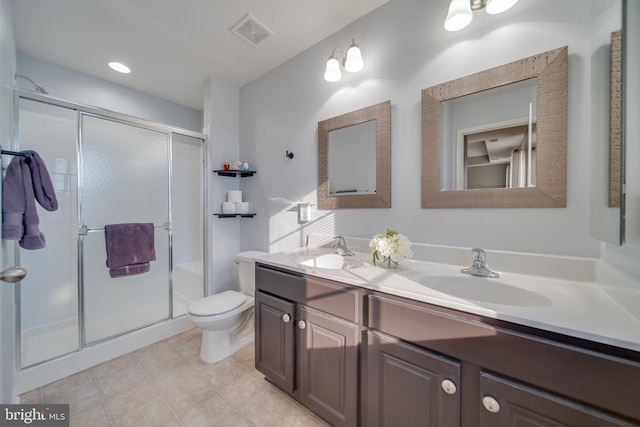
(223, 215)
(231, 172)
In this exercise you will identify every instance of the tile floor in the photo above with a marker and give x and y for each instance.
(166, 384)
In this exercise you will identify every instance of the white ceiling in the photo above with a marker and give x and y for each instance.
(172, 46)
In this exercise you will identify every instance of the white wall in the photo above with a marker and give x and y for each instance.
(406, 50)
(7, 322)
(221, 113)
(83, 89)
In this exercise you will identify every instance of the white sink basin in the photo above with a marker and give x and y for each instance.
(484, 289)
(330, 262)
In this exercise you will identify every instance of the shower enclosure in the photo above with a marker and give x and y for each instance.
(107, 169)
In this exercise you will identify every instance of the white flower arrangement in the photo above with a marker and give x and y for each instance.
(390, 247)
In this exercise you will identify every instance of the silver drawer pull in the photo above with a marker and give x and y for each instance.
(449, 387)
(286, 318)
(302, 324)
(491, 404)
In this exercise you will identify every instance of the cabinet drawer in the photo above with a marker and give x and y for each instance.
(419, 323)
(512, 403)
(331, 297)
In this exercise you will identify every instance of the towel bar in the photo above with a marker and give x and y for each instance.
(83, 230)
(17, 153)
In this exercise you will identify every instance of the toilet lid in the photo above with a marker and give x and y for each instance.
(217, 304)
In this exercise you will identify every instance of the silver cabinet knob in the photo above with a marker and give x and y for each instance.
(491, 404)
(449, 387)
(302, 324)
(13, 274)
(286, 318)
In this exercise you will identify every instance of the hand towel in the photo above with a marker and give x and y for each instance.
(130, 248)
(26, 181)
(42, 185)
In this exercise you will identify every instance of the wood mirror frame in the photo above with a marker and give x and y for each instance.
(615, 147)
(381, 113)
(551, 70)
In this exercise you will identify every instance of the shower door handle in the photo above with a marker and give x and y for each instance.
(13, 274)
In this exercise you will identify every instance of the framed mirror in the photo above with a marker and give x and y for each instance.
(536, 176)
(354, 159)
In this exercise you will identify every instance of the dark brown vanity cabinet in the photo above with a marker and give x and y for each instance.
(516, 404)
(307, 341)
(409, 386)
(358, 357)
(509, 375)
(275, 352)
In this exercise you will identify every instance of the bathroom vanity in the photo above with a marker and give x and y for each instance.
(359, 356)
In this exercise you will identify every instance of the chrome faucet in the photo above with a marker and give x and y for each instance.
(479, 265)
(341, 247)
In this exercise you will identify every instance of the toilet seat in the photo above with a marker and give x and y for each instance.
(217, 304)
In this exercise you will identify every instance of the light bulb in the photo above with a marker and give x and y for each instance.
(498, 6)
(354, 62)
(121, 68)
(459, 15)
(332, 72)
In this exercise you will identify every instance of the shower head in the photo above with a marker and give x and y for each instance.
(36, 86)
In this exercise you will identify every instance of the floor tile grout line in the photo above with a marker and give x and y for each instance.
(191, 366)
(188, 359)
(153, 384)
(104, 403)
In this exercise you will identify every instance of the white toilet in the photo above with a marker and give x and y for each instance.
(226, 318)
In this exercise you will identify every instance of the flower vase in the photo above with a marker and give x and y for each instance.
(389, 263)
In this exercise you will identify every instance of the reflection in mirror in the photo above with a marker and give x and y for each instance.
(607, 154)
(535, 179)
(352, 149)
(490, 136)
(354, 159)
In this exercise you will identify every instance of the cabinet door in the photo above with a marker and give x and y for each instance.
(507, 403)
(328, 366)
(275, 340)
(409, 386)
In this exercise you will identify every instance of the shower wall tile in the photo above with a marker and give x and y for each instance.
(61, 166)
(31, 124)
(59, 305)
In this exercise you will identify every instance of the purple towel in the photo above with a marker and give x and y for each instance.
(130, 248)
(26, 181)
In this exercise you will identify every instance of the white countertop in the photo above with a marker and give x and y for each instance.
(602, 313)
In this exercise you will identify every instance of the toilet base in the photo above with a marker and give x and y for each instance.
(218, 345)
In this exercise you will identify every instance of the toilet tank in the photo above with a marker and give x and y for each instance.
(245, 262)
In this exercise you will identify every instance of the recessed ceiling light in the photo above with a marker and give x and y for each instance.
(121, 68)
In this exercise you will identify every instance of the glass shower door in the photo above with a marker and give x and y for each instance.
(48, 296)
(124, 179)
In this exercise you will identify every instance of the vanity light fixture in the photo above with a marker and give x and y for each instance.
(461, 11)
(351, 61)
(121, 68)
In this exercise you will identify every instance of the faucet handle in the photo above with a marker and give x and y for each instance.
(341, 240)
(478, 256)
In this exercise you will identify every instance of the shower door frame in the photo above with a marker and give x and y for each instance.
(81, 109)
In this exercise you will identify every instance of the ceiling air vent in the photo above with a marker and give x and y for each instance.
(251, 30)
